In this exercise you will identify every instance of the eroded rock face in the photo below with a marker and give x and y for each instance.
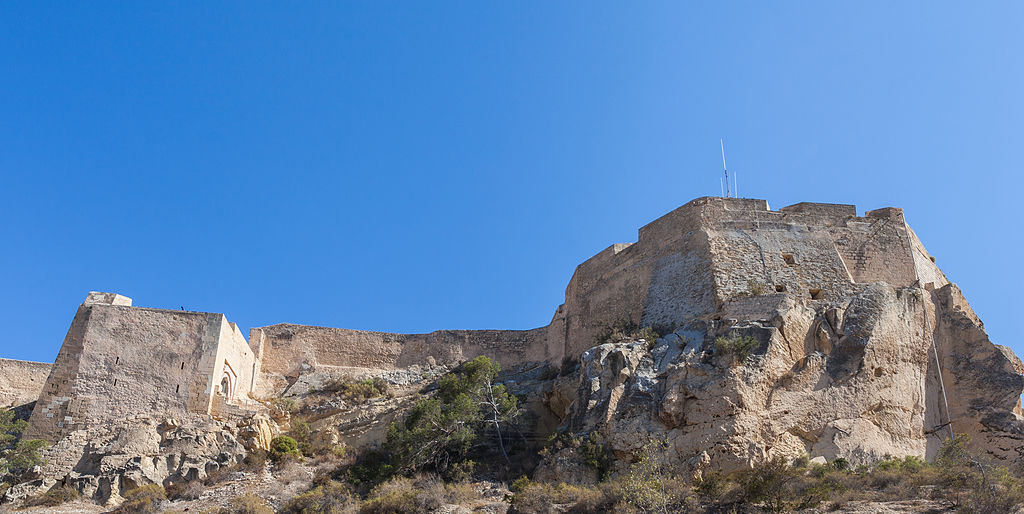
(855, 378)
(102, 462)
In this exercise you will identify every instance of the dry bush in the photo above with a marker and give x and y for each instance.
(542, 498)
(330, 497)
(460, 493)
(404, 495)
(358, 391)
(254, 461)
(185, 490)
(143, 500)
(219, 475)
(289, 471)
(55, 496)
(248, 504)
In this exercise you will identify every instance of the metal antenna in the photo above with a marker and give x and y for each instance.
(728, 194)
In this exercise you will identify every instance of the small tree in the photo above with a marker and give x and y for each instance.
(440, 430)
(643, 486)
(283, 447)
(17, 456)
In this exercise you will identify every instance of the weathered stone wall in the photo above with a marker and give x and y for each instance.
(119, 361)
(287, 350)
(695, 260)
(21, 382)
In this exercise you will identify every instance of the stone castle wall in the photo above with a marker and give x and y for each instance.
(21, 382)
(286, 350)
(119, 361)
(717, 253)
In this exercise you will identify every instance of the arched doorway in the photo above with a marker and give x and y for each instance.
(227, 381)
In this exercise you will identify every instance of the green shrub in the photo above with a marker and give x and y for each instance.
(439, 431)
(370, 469)
(519, 484)
(739, 348)
(650, 335)
(711, 485)
(587, 448)
(282, 448)
(301, 432)
(143, 500)
(358, 391)
(17, 456)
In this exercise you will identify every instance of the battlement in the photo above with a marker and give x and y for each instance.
(822, 209)
(98, 298)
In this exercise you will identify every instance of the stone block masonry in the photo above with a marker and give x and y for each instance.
(119, 361)
(21, 382)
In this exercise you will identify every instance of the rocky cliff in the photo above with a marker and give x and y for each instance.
(857, 378)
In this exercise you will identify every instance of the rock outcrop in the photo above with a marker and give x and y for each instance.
(856, 378)
(101, 463)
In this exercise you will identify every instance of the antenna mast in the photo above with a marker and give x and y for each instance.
(728, 193)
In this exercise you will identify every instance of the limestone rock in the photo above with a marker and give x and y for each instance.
(855, 378)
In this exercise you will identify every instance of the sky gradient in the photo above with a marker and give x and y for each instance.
(408, 167)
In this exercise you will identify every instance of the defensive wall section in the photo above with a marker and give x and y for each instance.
(736, 256)
(711, 256)
(119, 361)
(21, 382)
(286, 350)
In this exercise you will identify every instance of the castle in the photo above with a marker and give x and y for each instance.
(711, 258)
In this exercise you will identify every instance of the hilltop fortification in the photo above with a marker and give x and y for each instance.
(704, 259)
(853, 322)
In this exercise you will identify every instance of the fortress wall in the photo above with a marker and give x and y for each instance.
(55, 400)
(680, 286)
(604, 289)
(289, 349)
(236, 361)
(663, 279)
(806, 247)
(802, 263)
(835, 210)
(21, 382)
(118, 362)
(924, 266)
(876, 248)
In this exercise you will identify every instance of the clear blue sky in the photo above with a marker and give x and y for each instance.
(422, 165)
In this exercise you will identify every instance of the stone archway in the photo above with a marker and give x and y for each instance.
(227, 381)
